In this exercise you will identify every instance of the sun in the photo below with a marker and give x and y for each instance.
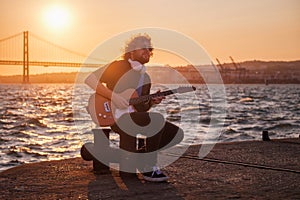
(57, 17)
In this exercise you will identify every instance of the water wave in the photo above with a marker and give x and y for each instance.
(37, 122)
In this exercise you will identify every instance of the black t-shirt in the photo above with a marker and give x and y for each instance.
(119, 76)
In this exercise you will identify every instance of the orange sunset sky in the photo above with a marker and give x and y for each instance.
(246, 30)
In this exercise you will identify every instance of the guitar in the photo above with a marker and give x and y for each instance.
(104, 113)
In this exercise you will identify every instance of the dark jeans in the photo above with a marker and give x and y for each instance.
(160, 134)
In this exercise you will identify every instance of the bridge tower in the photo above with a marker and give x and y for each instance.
(25, 58)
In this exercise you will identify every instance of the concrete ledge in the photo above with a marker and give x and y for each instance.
(246, 170)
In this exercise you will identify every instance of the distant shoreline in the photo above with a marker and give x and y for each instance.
(248, 72)
(70, 78)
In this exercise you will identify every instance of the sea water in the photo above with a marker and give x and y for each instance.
(41, 122)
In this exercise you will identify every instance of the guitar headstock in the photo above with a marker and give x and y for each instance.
(185, 89)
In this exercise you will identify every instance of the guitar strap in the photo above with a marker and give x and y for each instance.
(140, 85)
(137, 66)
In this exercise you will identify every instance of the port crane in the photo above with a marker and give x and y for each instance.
(240, 70)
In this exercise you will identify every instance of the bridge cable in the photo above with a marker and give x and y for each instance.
(65, 49)
(10, 37)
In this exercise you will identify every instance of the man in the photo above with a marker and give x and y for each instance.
(130, 73)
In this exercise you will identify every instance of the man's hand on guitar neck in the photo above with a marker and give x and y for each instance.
(158, 99)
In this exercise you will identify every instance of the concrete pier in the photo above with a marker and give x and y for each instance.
(238, 170)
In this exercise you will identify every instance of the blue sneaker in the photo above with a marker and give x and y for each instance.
(155, 176)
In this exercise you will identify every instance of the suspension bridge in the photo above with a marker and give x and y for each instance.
(27, 49)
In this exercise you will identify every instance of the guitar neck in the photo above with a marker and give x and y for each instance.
(146, 98)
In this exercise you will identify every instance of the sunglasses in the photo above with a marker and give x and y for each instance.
(149, 49)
